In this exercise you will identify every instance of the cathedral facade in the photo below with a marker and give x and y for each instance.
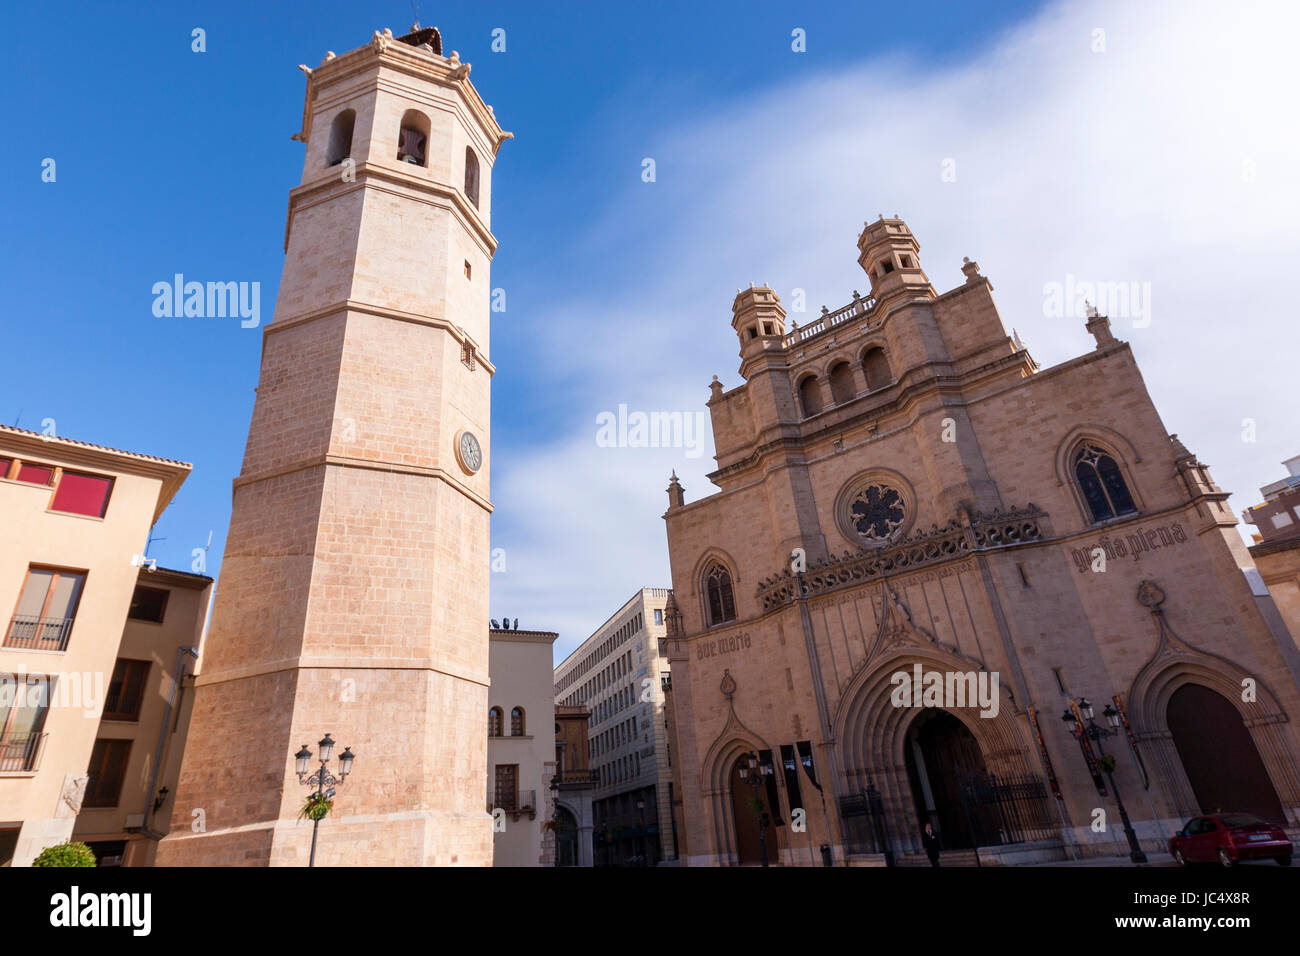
(941, 585)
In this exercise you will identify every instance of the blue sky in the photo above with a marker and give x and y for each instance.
(1130, 163)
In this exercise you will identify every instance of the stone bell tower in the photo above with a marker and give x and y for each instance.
(354, 588)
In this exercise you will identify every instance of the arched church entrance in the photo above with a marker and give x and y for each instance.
(941, 755)
(566, 838)
(1219, 756)
(752, 817)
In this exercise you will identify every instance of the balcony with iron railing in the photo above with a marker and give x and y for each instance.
(20, 753)
(524, 801)
(575, 778)
(38, 633)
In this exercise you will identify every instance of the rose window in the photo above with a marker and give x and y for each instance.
(876, 512)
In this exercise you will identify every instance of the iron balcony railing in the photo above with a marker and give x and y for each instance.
(20, 752)
(39, 633)
(522, 802)
(575, 777)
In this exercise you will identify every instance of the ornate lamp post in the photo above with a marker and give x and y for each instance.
(1106, 763)
(321, 779)
(754, 774)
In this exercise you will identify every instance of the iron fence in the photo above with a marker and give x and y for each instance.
(862, 818)
(1007, 809)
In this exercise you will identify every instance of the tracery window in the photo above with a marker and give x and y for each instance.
(720, 597)
(1102, 484)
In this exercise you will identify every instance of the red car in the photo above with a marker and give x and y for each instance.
(1229, 838)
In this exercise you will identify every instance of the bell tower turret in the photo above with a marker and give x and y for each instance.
(888, 254)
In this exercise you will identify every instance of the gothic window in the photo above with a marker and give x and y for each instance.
(876, 369)
(1102, 484)
(494, 722)
(842, 383)
(413, 138)
(517, 722)
(810, 396)
(340, 145)
(876, 512)
(471, 176)
(721, 600)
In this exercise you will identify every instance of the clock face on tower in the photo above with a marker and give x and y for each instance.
(468, 452)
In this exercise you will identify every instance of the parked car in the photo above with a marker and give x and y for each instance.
(1229, 838)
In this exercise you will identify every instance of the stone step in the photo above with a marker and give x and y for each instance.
(946, 858)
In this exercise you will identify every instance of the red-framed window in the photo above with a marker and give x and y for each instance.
(81, 494)
(34, 474)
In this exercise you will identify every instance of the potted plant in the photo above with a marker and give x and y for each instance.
(66, 854)
(316, 808)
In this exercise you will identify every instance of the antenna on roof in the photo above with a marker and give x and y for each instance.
(149, 544)
(18, 417)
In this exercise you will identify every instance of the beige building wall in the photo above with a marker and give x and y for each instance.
(1279, 567)
(519, 663)
(42, 783)
(157, 734)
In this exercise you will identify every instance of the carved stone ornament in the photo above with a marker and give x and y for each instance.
(728, 685)
(1150, 595)
(74, 791)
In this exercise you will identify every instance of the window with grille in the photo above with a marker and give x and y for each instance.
(506, 793)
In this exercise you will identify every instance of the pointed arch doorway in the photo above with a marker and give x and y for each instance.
(1219, 756)
(938, 746)
(750, 812)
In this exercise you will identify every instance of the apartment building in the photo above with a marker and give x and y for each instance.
(521, 747)
(73, 516)
(617, 673)
(141, 737)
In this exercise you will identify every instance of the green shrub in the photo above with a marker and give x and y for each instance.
(66, 854)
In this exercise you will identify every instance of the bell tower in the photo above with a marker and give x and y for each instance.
(354, 587)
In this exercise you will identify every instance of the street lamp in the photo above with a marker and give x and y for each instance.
(321, 778)
(753, 774)
(1107, 763)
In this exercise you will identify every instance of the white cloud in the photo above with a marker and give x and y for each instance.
(1169, 159)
